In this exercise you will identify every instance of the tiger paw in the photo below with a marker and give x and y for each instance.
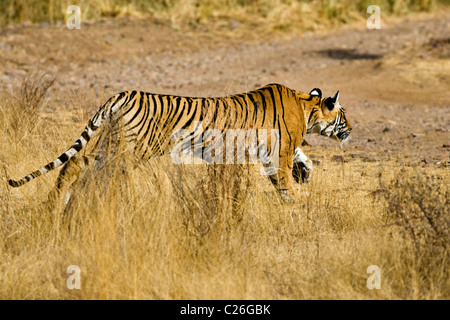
(301, 171)
(289, 196)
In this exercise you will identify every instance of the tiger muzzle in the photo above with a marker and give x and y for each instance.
(342, 136)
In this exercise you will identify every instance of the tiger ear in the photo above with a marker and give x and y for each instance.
(316, 92)
(331, 101)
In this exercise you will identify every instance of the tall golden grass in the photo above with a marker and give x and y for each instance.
(161, 231)
(278, 14)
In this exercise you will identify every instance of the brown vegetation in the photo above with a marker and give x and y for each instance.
(162, 231)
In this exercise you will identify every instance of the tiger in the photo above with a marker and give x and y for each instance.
(146, 121)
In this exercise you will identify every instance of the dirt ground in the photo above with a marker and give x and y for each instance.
(394, 82)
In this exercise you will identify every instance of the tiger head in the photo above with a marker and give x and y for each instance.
(327, 117)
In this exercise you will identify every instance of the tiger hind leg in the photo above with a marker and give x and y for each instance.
(67, 177)
(108, 161)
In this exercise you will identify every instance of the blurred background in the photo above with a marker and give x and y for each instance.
(276, 14)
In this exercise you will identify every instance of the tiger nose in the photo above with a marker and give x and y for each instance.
(343, 135)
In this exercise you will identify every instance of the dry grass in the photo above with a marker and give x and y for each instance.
(421, 208)
(20, 113)
(162, 231)
(275, 14)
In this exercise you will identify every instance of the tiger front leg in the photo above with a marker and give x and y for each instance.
(283, 180)
(302, 167)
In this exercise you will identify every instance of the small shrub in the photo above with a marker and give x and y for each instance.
(421, 208)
